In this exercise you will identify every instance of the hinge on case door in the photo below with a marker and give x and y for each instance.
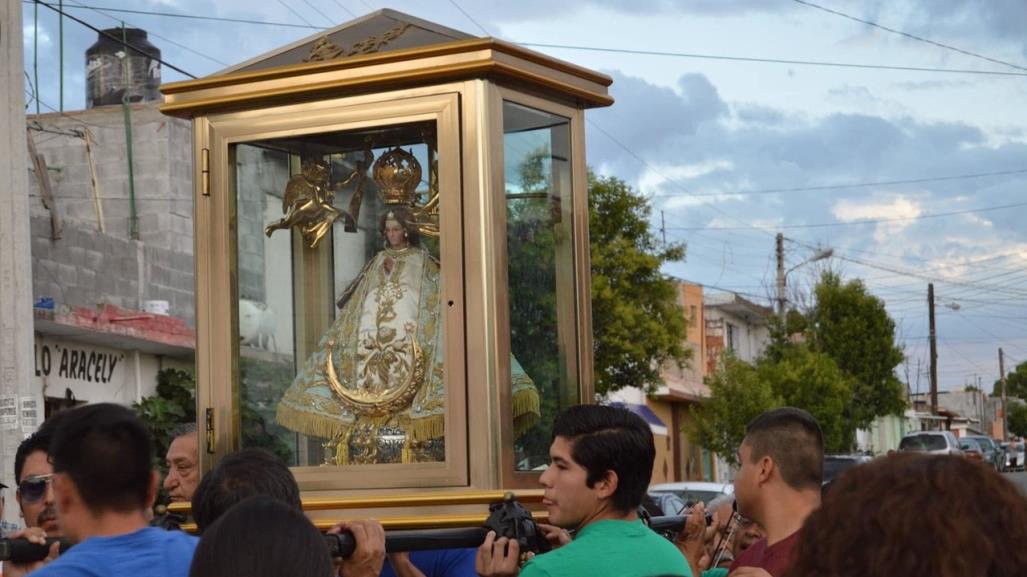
(205, 171)
(210, 431)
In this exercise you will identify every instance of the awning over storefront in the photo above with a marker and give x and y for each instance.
(655, 423)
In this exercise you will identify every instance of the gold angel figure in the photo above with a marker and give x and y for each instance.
(307, 204)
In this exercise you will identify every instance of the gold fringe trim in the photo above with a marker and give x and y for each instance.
(310, 424)
(426, 428)
(527, 410)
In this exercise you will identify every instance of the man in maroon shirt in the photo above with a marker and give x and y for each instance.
(777, 486)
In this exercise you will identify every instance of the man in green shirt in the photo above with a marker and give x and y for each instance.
(601, 461)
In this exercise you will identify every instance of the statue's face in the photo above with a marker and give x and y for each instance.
(395, 233)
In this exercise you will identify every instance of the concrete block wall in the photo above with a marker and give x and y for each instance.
(88, 267)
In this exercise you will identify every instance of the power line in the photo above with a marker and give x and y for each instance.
(929, 278)
(309, 25)
(860, 222)
(297, 14)
(469, 17)
(773, 60)
(910, 36)
(323, 15)
(851, 184)
(112, 37)
(347, 10)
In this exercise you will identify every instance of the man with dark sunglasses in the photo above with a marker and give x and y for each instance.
(33, 471)
(103, 484)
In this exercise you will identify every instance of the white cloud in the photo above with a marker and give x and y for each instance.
(848, 210)
(32, 35)
(674, 180)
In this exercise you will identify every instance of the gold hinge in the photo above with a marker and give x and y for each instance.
(210, 431)
(205, 171)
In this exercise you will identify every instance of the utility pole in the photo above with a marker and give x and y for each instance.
(934, 349)
(1002, 379)
(20, 405)
(663, 227)
(780, 275)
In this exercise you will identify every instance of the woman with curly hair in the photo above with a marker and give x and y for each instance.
(909, 515)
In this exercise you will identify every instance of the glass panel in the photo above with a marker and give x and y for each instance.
(340, 352)
(540, 255)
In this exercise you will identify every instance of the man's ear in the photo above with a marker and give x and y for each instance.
(767, 468)
(606, 486)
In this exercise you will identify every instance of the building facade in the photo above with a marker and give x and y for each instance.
(112, 252)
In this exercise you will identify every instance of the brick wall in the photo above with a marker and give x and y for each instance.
(87, 267)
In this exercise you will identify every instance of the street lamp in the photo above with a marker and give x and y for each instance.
(782, 274)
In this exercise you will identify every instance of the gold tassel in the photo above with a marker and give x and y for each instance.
(342, 451)
(527, 410)
(407, 455)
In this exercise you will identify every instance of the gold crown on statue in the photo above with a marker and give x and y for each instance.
(397, 174)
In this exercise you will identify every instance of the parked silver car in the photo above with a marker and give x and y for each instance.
(990, 451)
(933, 442)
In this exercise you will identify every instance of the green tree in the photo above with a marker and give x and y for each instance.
(737, 396)
(852, 326)
(799, 377)
(1018, 419)
(1016, 381)
(813, 382)
(637, 322)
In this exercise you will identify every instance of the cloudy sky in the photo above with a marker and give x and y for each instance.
(912, 166)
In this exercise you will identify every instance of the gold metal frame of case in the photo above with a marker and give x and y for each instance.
(579, 339)
(217, 303)
(406, 502)
(461, 85)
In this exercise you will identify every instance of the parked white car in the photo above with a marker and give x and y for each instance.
(686, 493)
(932, 442)
(1014, 456)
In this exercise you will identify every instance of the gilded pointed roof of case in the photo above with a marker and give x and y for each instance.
(385, 50)
(382, 31)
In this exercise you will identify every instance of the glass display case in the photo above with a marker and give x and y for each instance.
(392, 256)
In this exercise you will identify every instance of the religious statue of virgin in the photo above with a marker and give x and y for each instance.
(374, 388)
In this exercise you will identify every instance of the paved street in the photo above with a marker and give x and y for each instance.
(1019, 478)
